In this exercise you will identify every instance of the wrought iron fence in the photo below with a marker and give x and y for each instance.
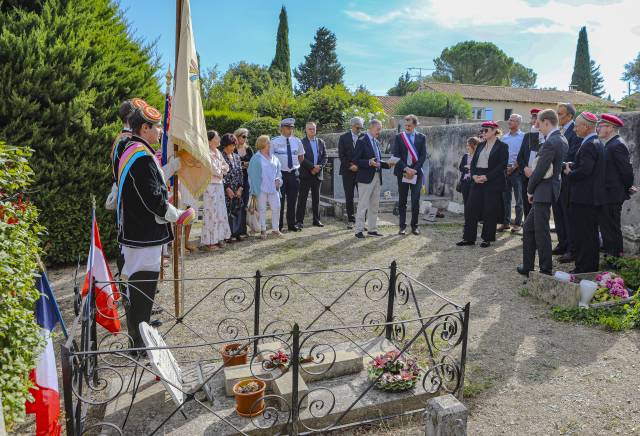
(378, 311)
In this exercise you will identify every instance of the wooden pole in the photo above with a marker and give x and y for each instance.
(176, 242)
(168, 78)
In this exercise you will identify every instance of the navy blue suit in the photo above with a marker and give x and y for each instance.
(362, 155)
(401, 152)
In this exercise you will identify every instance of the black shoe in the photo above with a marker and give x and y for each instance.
(546, 273)
(402, 232)
(415, 231)
(374, 234)
(318, 224)
(155, 323)
(567, 258)
(558, 251)
(359, 235)
(300, 225)
(464, 243)
(485, 244)
(522, 271)
(293, 229)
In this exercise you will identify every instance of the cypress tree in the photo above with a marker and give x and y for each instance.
(65, 69)
(597, 81)
(320, 67)
(581, 77)
(281, 65)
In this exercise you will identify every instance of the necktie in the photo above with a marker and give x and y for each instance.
(289, 156)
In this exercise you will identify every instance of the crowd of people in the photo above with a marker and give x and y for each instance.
(577, 168)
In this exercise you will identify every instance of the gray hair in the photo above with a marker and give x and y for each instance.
(357, 121)
(241, 131)
(310, 123)
(517, 117)
(569, 107)
(374, 122)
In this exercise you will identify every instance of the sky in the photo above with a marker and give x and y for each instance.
(378, 40)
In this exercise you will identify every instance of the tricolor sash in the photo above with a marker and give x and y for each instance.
(135, 151)
(410, 147)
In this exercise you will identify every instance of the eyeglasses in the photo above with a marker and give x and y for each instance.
(243, 136)
(484, 130)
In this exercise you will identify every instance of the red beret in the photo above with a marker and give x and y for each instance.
(611, 119)
(589, 117)
(535, 111)
(491, 124)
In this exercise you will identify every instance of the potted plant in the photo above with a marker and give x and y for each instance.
(234, 354)
(249, 394)
(393, 372)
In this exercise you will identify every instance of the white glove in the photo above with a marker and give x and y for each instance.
(112, 199)
(172, 166)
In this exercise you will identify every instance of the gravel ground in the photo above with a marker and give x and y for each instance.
(526, 373)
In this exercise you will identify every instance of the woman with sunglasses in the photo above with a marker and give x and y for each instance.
(246, 153)
(488, 181)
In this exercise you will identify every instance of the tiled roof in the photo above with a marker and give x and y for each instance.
(389, 103)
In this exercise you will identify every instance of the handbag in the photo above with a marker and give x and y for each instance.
(235, 211)
(459, 186)
(253, 219)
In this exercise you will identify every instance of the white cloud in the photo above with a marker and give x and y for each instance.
(614, 34)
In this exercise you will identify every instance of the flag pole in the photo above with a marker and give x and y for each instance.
(176, 243)
(164, 145)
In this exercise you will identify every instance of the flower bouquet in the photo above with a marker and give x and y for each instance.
(610, 288)
(398, 372)
(281, 360)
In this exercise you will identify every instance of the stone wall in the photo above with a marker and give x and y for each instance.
(446, 144)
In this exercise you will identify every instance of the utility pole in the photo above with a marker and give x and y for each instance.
(419, 76)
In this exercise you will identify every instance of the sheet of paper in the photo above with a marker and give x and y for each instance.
(393, 160)
(532, 157)
(413, 180)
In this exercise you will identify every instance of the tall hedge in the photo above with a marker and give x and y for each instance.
(20, 339)
(65, 67)
(225, 121)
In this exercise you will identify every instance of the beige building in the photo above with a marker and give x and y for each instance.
(499, 102)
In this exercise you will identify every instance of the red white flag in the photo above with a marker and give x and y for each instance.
(106, 291)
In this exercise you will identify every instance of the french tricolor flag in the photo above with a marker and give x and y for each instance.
(46, 403)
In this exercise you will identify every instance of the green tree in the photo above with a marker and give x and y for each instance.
(581, 77)
(280, 68)
(256, 76)
(632, 72)
(522, 77)
(434, 104)
(597, 81)
(474, 62)
(320, 67)
(65, 69)
(404, 86)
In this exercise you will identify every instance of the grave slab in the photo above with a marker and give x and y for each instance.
(283, 386)
(234, 374)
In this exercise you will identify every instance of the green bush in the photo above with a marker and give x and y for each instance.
(20, 339)
(225, 121)
(261, 126)
(278, 102)
(66, 66)
(434, 104)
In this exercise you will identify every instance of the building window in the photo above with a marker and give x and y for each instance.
(507, 114)
(477, 113)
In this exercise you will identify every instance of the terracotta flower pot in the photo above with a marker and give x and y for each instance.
(232, 355)
(252, 403)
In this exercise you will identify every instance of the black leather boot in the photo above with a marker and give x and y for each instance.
(142, 290)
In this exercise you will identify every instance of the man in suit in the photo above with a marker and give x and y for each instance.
(513, 138)
(542, 192)
(314, 160)
(348, 169)
(368, 157)
(530, 143)
(410, 147)
(586, 175)
(566, 113)
(618, 183)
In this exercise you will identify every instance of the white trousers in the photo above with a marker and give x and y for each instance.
(141, 259)
(273, 198)
(368, 202)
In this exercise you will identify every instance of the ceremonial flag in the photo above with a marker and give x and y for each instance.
(46, 396)
(106, 291)
(188, 128)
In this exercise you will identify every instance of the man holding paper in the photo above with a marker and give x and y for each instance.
(410, 147)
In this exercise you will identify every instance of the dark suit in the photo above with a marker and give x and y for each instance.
(485, 199)
(618, 181)
(361, 156)
(587, 193)
(400, 151)
(346, 147)
(530, 142)
(310, 181)
(465, 184)
(561, 207)
(537, 234)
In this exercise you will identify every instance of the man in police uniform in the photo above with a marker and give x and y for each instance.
(144, 216)
(290, 152)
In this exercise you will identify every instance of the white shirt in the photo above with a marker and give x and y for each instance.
(279, 150)
(269, 167)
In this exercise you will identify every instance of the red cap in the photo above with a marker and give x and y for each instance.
(491, 124)
(589, 117)
(535, 111)
(611, 119)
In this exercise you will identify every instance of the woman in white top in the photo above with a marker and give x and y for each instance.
(215, 227)
(265, 180)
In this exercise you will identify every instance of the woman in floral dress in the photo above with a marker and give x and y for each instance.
(233, 185)
(215, 228)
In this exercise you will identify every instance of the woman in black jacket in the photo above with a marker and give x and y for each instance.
(488, 168)
(465, 168)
